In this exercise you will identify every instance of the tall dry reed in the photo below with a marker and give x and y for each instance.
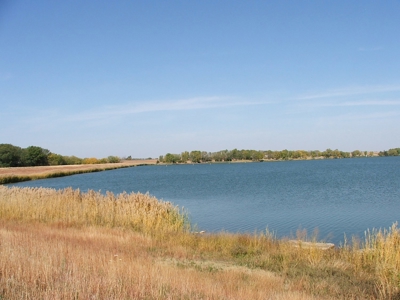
(379, 255)
(140, 212)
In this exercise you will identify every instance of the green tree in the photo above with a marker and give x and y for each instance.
(170, 158)
(296, 154)
(277, 155)
(392, 152)
(257, 155)
(327, 153)
(235, 154)
(56, 159)
(35, 156)
(383, 153)
(217, 156)
(113, 159)
(315, 153)
(10, 156)
(285, 154)
(336, 153)
(185, 156)
(73, 160)
(344, 154)
(195, 156)
(356, 153)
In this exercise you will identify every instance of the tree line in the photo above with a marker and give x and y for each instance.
(197, 156)
(14, 156)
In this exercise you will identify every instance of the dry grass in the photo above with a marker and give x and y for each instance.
(44, 262)
(139, 212)
(18, 174)
(71, 245)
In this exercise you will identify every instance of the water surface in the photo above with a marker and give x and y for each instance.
(336, 197)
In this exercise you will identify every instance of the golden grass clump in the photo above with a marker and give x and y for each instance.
(69, 207)
(380, 255)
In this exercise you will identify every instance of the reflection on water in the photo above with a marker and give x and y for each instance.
(335, 196)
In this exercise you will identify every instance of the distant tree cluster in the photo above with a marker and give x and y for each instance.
(260, 155)
(197, 156)
(390, 152)
(14, 156)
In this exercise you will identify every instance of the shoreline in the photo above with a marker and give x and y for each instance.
(261, 161)
(20, 174)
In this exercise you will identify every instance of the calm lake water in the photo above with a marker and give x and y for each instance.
(336, 197)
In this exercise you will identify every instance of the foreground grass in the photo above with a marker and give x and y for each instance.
(72, 245)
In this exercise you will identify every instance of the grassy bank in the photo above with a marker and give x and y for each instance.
(68, 244)
(20, 174)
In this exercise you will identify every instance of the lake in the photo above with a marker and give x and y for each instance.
(335, 196)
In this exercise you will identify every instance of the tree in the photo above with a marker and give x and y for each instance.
(56, 159)
(315, 153)
(35, 156)
(113, 159)
(257, 155)
(285, 154)
(327, 153)
(73, 160)
(356, 153)
(90, 161)
(10, 156)
(185, 156)
(277, 155)
(195, 156)
(392, 152)
(235, 154)
(205, 156)
(344, 154)
(170, 158)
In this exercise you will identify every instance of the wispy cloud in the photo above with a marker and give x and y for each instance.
(174, 105)
(359, 90)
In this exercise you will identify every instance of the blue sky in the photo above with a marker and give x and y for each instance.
(143, 78)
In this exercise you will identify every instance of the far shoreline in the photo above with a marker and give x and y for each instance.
(262, 160)
(20, 174)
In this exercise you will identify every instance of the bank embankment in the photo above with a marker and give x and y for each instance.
(19, 174)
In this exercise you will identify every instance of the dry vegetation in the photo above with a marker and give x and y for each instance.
(18, 174)
(72, 245)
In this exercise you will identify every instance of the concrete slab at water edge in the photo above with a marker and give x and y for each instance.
(313, 245)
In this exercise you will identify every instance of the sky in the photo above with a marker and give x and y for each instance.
(144, 78)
